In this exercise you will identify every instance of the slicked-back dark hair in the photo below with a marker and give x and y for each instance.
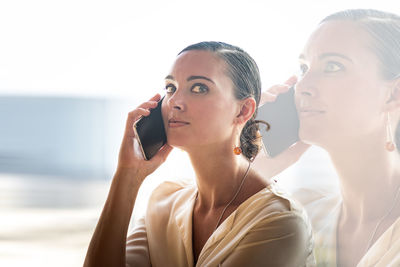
(384, 30)
(245, 76)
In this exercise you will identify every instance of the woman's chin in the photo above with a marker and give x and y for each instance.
(310, 137)
(177, 145)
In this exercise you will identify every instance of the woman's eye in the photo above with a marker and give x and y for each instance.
(333, 67)
(303, 69)
(199, 88)
(170, 88)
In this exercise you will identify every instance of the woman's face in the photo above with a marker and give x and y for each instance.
(341, 93)
(199, 107)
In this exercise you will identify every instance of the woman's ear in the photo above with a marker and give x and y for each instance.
(393, 102)
(247, 109)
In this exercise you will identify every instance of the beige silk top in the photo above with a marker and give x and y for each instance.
(258, 233)
(323, 210)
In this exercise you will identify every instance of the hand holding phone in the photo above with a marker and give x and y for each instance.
(282, 117)
(150, 132)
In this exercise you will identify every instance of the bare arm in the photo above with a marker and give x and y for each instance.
(107, 247)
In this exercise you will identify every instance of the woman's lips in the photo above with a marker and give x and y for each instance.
(307, 109)
(173, 123)
(310, 112)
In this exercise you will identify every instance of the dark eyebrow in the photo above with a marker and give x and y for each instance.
(200, 77)
(329, 55)
(170, 77)
(334, 55)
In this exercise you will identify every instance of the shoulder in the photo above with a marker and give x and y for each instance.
(169, 197)
(278, 214)
(168, 212)
(273, 201)
(275, 226)
(170, 190)
(322, 206)
(274, 211)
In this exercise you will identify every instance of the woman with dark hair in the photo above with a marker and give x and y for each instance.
(231, 216)
(348, 99)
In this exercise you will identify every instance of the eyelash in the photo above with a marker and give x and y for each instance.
(304, 67)
(333, 63)
(171, 88)
(203, 87)
(170, 85)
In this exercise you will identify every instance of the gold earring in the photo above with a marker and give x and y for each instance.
(390, 145)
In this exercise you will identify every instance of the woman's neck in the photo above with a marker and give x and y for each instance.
(218, 176)
(369, 179)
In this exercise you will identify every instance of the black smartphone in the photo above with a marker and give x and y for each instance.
(150, 132)
(283, 120)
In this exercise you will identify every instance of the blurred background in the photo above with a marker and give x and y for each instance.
(69, 73)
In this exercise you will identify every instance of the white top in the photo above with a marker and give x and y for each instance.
(324, 210)
(260, 232)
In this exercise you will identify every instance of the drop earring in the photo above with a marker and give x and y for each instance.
(390, 145)
(237, 150)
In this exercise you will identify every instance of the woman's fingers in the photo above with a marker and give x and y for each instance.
(271, 94)
(142, 110)
(273, 166)
(291, 81)
(133, 116)
(151, 103)
(156, 97)
(130, 157)
(148, 105)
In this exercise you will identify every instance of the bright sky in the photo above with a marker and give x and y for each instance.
(125, 48)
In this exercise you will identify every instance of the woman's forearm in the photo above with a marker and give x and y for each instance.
(107, 247)
(108, 244)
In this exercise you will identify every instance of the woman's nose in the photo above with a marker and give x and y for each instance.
(305, 87)
(177, 102)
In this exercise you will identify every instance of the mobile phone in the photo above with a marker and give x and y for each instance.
(283, 120)
(150, 132)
